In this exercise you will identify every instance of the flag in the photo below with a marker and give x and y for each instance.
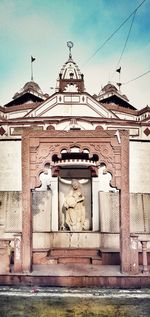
(32, 59)
(119, 84)
(118, 70)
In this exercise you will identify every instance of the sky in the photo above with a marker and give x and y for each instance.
(42, 29)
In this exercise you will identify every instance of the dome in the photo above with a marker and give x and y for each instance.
(30, 86)
(109, 87)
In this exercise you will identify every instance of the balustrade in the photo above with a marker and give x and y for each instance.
(6, 254)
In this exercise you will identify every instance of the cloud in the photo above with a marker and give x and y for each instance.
(42, 28)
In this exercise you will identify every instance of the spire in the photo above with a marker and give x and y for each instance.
(70, 46)
(70, 78)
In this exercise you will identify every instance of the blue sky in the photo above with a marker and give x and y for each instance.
(42, 29)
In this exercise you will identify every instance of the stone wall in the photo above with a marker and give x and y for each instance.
(10, 166)
(109, 212)
(139, 167)
(41, 210)
(10, 212)
(106, 237)
(139, 212)
(67, 240)
(109, 218)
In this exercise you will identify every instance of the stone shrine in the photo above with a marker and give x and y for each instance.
(74, 179)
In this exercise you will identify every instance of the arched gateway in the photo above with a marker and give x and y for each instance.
(73, 157)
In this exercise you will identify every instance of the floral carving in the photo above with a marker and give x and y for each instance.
(99, 142)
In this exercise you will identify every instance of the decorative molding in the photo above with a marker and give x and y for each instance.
(44, 145)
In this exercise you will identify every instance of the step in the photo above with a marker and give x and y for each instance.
(77, 260)
(64, 260)
(69, 255)
(72, 252)
(97, 261)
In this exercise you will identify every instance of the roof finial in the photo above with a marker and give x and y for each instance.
(70, 45)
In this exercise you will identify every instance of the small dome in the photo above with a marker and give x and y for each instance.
(28, 87)
(31, 85)
(109, 87)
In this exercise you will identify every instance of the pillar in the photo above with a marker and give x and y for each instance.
(144, 251)
(26, 207)
(17, 253)
(134, 254)
(124, 205)
(54, 210)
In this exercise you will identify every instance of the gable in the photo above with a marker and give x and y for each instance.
(76, 105)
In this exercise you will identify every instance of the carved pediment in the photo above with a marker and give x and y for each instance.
(71, 104)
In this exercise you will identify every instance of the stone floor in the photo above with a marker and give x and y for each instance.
(77, 275)
(79, 270)
(76, 270)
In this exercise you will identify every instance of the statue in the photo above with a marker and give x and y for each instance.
(74, 208)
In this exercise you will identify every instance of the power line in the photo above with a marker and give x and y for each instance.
(136, 78)
(109, 38)
(126, 41)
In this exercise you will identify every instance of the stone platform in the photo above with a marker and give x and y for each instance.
(77, 275)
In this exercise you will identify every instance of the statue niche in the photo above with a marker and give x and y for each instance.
(74, 208)
(74, 215)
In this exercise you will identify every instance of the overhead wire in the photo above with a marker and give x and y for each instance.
(126, 41)
(129, 81)
(110, 37)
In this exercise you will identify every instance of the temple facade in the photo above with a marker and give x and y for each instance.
(74, 178)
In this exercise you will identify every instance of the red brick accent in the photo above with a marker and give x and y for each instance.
(38, 148)
(147, 131)
(78, 82)
(26, 197)
(2, 131)
(124, 205)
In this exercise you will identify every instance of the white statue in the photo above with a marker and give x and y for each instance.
(74, 208)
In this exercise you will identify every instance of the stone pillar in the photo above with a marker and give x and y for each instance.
(26, 205)
(54, 212)
(145, 262)
(95, 211)
(134, 254)
(124, 205)
(17, 253)
(4, 256)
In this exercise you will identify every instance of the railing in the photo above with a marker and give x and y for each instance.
(5, 254)
(134, 254)
(145, 268)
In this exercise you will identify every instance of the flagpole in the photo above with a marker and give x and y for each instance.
(119, 72)
(31, 70)
(32, 60)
